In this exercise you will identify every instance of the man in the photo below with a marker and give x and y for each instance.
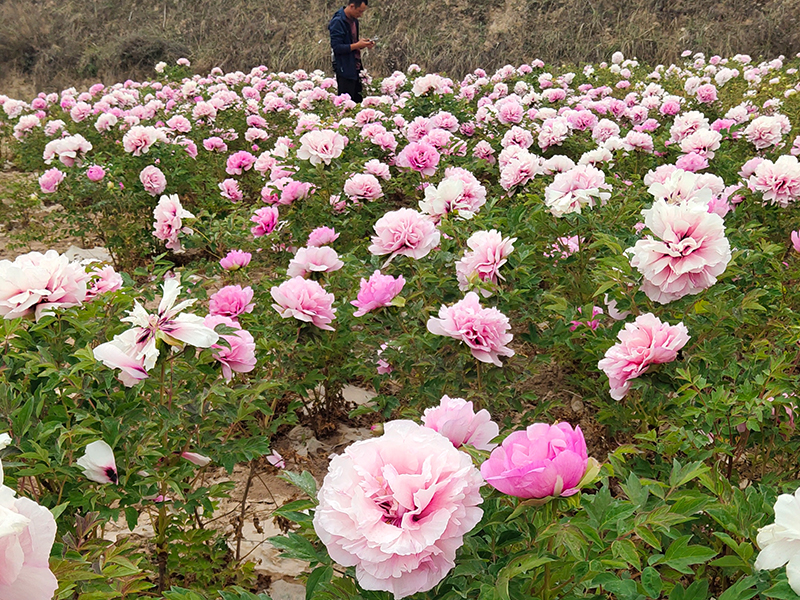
(347, 47)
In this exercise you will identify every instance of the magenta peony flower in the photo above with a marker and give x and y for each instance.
(322, 236)
(36, 283)
(50, 179)
(239, 162)
(235, 260)
(689, 252)
(240, 355)
(378, 291)
(231, 301)
(315, 259)
(484, 330)
(646, 341)
(321, 146)
(405, 232)
(456, 420)
(265, 219)
(305, 300)
(419, 156)
(153, 180)
(26, 538)
(795, 237)
(544, 460)
(397, 508)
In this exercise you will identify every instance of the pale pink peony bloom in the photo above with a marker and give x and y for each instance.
(703, 142)
(689, 252)
(484, 151)
(397, 508)
(98, 463)
(265, 219)
(686, 124)
(95, 173)
(229, 188)
(553, 132)
(539, 462)
(780, 541)
(305, 300)
(215, 144)
(276, 460)
(26, 539)
(378, 169)
(314, 259)
(168, 223)
(484, 330)
(604, 129)
(363, 187)
(239, 162)
(647, 341)
(419, 156)
(138, 139)
(405, 232)
(322, 236)
(240, 354)
(321, 146)
(153, 180)
(764, 131)
(37, 283)
(235, 260)
(706, 93)
(104, 280)
(778, 182)
(135, 351)
(231, 301)
(638, 140)
(456, 420)
(49, 180)
(577, 188)
(196, 459)
(519, 169)
(489, 251)
(379, 290)
(692, 162)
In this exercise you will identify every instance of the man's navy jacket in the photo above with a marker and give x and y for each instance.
(341, 38)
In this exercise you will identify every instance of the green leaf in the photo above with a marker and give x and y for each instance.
(651, 582)
(293, 545)
(518, 566)
(781, 591)
(305, 481)
(626, 550)
(322, 574)
(682, 475)
(680, 555)
(744, 589)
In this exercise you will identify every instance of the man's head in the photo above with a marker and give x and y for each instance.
(356, 8)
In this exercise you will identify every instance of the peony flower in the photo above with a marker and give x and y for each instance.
(576, 188)
(240, 353)
(135, 351)
(489, 251)
(406, 232)
(37, 283)
(235, 260)
(95, 173)
(376, 292)
(689, 252)
(98, 463)
(321, 146)
(363, 187)
(106, 280)
(647, 341)
(544, 460)
(229, 188)
(397, 508)
(322, 236)
(419, 156)
(265, 219)
(484, 330)
(27, 533)
(795, 237)
(276, 460)
(456, 420)
(315, 259)
(780, 541)
(49, 180)
(305, 300)
(239, 162)
(153, 180)
(231, 301)
(168, 225)
(778, 182)
(196, 459)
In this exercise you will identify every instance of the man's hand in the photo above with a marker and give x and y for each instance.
(361, 44)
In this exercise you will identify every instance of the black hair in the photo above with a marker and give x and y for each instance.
(358, 3)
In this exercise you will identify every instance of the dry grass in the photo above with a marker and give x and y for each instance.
(51, 44)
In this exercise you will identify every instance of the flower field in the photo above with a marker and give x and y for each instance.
(571, 290)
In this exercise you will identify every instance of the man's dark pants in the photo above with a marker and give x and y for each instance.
(349, 86)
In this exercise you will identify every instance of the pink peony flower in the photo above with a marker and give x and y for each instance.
(489, 251)
(305, 300)
(98, 463)
(314, 259)
(397, 508)
(706, 93)
(456, 420)
(692, 162)
(168, 224)
(646, 341)
(231, 301)
(378, 169)
(484, 330)
(778, 182)
(542, 461)
(689, 252)
(239, 162)
(363, 187)
(322, 236)
(37, 283)
(577, 188)
(138, 139)
(95, 173)
(215, 144)
(240, 354)
(106, 280)
(265, 219)
(50, 179)
(405, 232)
(196, 459)
(235, 260)
(229, 189)
(379, 290)
(27, 536)
(153, 180)
(321, 146)
(795, 237)
(764, 131)
(419, 156)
